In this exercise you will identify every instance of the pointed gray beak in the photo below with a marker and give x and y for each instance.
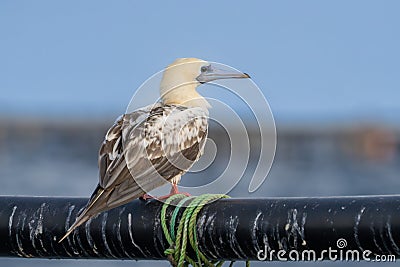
(210, 73)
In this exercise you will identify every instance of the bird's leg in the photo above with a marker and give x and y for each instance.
(174, 191)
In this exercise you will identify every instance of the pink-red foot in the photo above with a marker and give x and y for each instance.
(174, 191)
(146, 197)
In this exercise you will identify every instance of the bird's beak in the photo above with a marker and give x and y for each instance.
(212, 73)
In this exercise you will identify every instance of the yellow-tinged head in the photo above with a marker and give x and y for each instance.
(184, 75)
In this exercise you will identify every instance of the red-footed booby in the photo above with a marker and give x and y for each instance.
(155, 144)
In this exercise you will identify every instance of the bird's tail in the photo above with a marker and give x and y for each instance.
(87, 213)
(79, 221)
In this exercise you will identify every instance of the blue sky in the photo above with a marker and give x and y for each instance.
(312, 59)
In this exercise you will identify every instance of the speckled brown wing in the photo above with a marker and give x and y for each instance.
(173, 139)
(144, 150)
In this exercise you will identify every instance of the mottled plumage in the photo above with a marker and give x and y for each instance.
(156, 144)
(146, 141)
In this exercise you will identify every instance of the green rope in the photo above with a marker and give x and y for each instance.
(178, 241)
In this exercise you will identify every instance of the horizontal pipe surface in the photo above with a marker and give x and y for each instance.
(231, 229)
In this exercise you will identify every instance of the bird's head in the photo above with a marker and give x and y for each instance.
(182, 77)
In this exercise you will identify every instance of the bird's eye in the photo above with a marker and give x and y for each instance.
(203, 69)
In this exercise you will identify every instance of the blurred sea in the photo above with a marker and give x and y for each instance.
(50, 158)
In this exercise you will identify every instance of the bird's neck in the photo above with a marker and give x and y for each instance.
(184, 95)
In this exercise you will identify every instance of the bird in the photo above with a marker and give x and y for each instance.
(156, 144)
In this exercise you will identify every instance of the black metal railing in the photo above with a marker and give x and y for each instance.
(230, 229)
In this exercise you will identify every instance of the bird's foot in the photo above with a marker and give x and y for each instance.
(174, 191)
(146, 197)
(170, 195)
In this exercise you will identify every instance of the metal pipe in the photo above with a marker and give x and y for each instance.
(231, 229)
